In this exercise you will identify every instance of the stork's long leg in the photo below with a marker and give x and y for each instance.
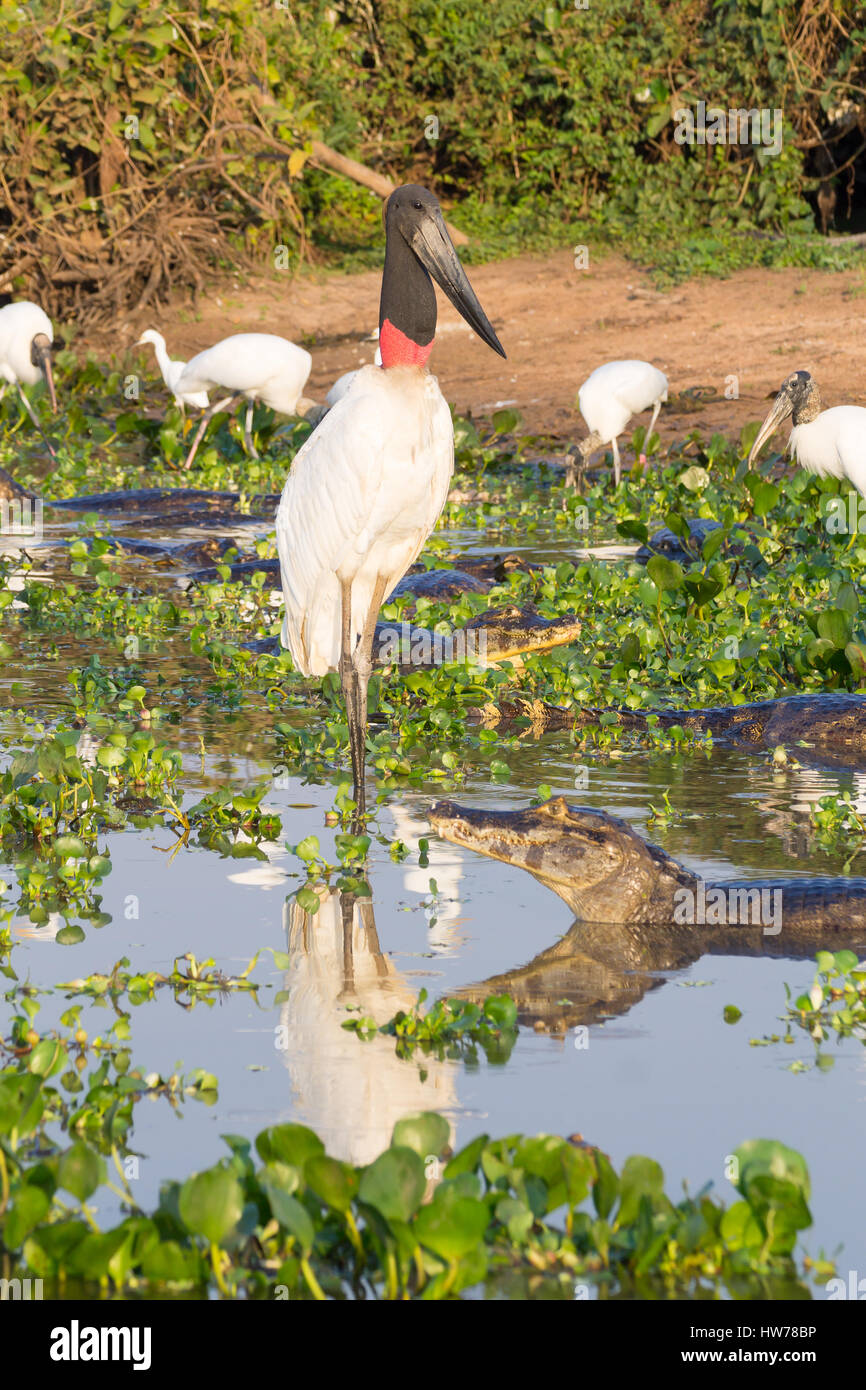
(656, 408)
(32, 413)
(617, 467)
(227, 403)
(363, 663)
(248, 431)
(349, 682)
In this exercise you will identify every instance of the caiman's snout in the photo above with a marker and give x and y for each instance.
(507, 835)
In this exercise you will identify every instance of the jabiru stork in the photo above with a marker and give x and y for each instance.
(170, 369)
(611, 395)
(26, 338)
(826, 442)
(252, 367)
(366, 489)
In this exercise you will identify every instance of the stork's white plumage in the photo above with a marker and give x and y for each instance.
(252, 367)
(377, 514)
(26, 335)
(171, 369)
(611, 395)
(367, 487)
(831, 443)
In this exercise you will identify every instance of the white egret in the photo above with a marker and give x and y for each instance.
(171, 368)
(252, 367)
(26, 337)
(827, 442)
(611, 395)
(367, 487)
(342, 384)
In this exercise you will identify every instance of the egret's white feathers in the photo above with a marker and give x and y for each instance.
(171, 369)
(261, 366)
(361, 498)
(616, 391)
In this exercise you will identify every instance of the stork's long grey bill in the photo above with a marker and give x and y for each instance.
(781, 408)
(433, 247)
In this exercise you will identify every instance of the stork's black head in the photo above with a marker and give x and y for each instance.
(798, 397)
(418, 246)
(40, 356)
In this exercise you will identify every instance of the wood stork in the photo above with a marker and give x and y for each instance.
(171, 368)
(252, 367)
(611, 395)
(367, 487)
(822, 441)
(26, 337)
(342, 384)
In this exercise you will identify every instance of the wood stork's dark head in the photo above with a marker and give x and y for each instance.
(418, 246)
(40, 356)
(798, 397)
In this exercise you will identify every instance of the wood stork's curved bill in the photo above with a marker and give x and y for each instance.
(40, 356)
(793, 398)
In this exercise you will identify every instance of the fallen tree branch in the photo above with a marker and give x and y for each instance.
(368, 178)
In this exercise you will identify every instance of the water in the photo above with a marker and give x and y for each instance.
(658, 1071)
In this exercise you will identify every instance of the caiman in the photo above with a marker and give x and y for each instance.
(607, 873)
(182, 506)
(500, 634)
(833, 720)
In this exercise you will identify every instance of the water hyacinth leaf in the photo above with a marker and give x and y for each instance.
(394, 1184)
(501, 1010)
(168, 1261)
(80, 1171)
(211, 1204)
(48, 1057)
(516, 1216)
(664, 573)
(292, 1144)
(335, 1183)
(700, 591)
(29, 1208)
(505, 421)
(605, 1189)
(694, 479)
(739, 1228)
(451, 1225)
(632, 529)
(427, 1133)
(834, 625)
(70, 936)
(468, 1158)
(292, 1215)
(641, 1177)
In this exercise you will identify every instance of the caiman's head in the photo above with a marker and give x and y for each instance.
(596, 862)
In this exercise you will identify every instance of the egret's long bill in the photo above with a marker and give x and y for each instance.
(40, 356)
(781, 408)
(432, 245)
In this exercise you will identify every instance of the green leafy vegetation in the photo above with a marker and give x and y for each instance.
(184, 143)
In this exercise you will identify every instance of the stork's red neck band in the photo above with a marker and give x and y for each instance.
(399, 351)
